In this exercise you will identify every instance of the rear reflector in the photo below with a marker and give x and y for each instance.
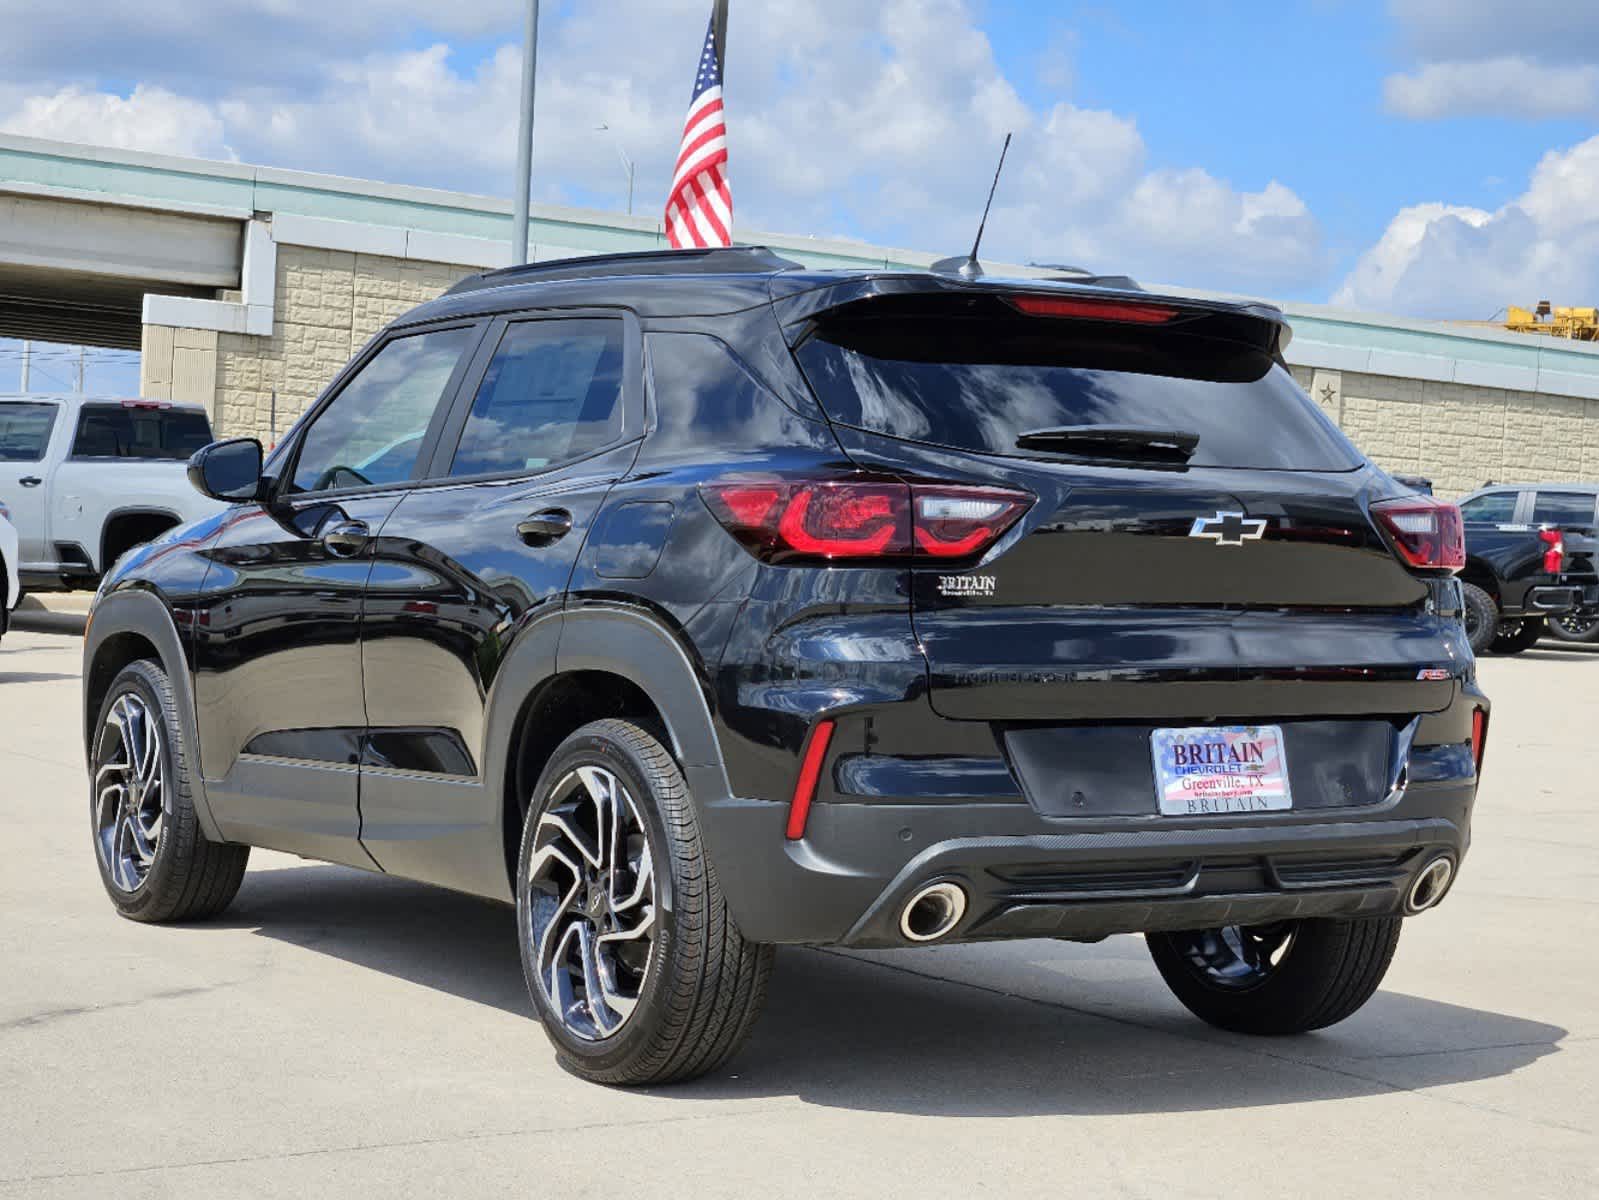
(1094, 310)
(1479, 736)
(1554, 554)
(830, 521)
(799, 808)
(1426, 533)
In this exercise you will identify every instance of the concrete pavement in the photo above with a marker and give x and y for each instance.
(344, 1034)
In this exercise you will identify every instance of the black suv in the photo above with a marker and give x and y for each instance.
(697, 602)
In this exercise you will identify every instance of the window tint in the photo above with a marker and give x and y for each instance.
(1562, 508)
(372, 431)
(1497, 507)
(976, 384)
(25, 431)
(552, 393)
(139, 431)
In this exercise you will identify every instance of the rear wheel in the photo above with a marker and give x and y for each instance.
(1481, 617)
(1287, 977)
(1515, 636)
(155, 862)
(1576, 626)
(632, 960)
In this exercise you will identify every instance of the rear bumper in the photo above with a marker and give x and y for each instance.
(847, 881)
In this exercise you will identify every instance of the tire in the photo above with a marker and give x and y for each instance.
(1481, 617)
(1524, 636)
(1327, 969)
(155, 862)
(685, 1005)
(1576, 627)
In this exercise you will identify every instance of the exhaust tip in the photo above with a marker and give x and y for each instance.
(933, 912)
(1430, 884)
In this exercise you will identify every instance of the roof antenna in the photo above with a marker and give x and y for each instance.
(969, 267)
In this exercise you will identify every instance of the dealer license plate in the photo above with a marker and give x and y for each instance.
(1228, 769)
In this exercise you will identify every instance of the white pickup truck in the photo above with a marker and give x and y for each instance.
(88, 478)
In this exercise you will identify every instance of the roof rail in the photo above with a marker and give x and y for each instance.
(718, 260)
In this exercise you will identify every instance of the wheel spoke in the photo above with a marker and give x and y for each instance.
(605, 1021)
(644, 873)
(129, 782)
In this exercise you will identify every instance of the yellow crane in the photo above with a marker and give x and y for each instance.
(1578, 324)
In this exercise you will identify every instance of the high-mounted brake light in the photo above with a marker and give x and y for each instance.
(1554, 553)
(150, 404)
(1094, 310)
(832, 521)
(1426, 533)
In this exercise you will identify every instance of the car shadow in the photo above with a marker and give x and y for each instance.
(960, 1031)
(35, 676)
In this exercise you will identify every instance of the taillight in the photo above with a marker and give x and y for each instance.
(799, 808)
(834, 520)
(1094, 309)
(1479, 736)
(1426, 533)
(1554, 554)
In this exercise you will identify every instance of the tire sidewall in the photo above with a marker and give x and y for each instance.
(1488, 617)
(593, 749)
(148, 682)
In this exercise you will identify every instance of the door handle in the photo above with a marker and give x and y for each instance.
(346, 539)
(30, 481)
(545, 527)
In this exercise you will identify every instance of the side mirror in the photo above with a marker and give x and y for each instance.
(228, 470)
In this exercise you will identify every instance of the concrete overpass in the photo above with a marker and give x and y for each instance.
(239, 283)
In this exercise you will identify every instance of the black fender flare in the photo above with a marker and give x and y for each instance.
(129, 510)
(140, 611)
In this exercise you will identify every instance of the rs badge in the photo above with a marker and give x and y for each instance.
(1228, 528)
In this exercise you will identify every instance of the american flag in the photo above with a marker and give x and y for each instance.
(699, 206)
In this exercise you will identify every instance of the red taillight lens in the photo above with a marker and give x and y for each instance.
(1094, 310)
(799, 808)
(838, 520)
(1554, 554)
(1479, 736)
(1426, 533)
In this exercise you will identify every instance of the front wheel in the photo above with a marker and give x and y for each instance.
(633, 962)
(1287, 977)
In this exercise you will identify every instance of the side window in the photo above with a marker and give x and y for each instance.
(1496, 507)
(552, 393)
(372, 432)
(25, 431)
(1562, 508)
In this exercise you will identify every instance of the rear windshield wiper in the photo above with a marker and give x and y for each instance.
(1112, 441)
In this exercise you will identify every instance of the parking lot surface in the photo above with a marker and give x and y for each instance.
(338, 1033)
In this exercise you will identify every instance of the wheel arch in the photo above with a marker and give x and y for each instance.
(125, 626)
(1477, 571)
(118, 518)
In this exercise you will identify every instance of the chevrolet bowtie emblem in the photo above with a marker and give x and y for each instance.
(1228, 528)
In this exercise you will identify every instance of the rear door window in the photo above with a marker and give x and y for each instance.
(25, 431)
(1563, 508)
(1496, 508)
(978, 382)
(552, 393)
(139, 430)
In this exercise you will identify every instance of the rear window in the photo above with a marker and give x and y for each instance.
(25, 431)
(978, 382)
(130, 431)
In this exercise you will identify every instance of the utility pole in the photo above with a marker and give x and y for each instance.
(80, 368)
(27, 364)
(524, 145)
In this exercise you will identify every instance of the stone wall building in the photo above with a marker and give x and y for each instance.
(247, 288)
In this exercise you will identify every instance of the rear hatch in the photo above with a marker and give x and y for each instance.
(1200, 547)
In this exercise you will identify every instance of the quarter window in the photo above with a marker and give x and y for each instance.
(552, 393)
(373, 430)
(1562, 508)
(1496, 507)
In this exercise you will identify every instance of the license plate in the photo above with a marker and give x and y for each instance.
(1229, 769)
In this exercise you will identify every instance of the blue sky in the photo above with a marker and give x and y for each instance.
(1434, 158)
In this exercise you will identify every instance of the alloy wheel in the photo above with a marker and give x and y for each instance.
(129, 790)
(1576, 625)
(593, 901)
(1235, 957)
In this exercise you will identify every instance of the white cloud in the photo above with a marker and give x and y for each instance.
(1510, 86)
(148, 118)
(1445, 261)
(880, 119)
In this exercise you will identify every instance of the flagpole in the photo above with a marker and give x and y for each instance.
(524, 144)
